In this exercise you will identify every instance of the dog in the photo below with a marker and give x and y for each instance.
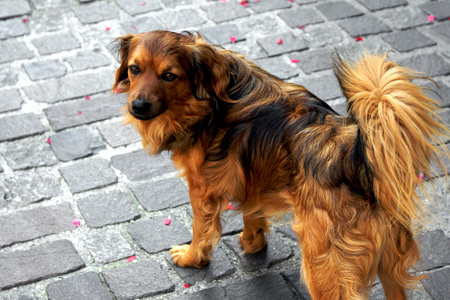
(237, 132)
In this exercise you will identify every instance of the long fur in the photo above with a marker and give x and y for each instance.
(240, 133)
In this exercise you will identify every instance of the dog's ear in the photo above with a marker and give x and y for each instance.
(122, 47)
(211, 72)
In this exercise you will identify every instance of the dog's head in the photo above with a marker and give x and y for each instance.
(161, 69)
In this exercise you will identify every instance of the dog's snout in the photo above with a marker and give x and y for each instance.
(140, 106)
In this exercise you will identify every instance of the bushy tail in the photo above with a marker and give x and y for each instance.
(400, 127)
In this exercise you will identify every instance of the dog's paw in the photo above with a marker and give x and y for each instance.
(252, 245)
(182, 257)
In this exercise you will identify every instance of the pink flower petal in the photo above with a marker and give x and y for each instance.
(224, 1)
(233, 39)
(49, 141)
(301, 27)
(243, 3)
(186, 285)
(421, 177)
(167, 221)
(359, 38)
(134, 27)
(291, 0)
(431, 18)
(76, 222)
(231, 206)
(108, 28)
(131, 258)
(87, 97)
(25, 20)
(143, 3)
(80, 112)
(280, 41)
(166, 29)
(294, 61)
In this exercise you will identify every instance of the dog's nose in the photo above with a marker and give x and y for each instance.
(140, 107)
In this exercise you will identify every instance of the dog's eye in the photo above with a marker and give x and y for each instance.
(134, 70)
(169, 76)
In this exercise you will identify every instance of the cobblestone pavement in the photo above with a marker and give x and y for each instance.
(79, 199)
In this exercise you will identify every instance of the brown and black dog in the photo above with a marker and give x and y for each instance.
(238, 132)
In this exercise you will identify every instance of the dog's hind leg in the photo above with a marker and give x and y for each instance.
(253, 238)
(337, 262)
(399, 255)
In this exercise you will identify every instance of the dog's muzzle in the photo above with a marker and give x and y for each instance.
(141, 109)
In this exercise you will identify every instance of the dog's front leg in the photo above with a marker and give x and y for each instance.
(206, 229)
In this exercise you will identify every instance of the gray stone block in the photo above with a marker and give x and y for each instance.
(11, 100)
(76, 143)
(220, 266)
(216, 293)
(266, 287)
(181, 19)
(83, 286)
(325, 34)
(440, 9)
(55, 42)
(404, 17)
(162, 194)
(294, 281)
(138, 280)
(108, 246)
(441, 92)
(431, 64)
(82, 112)
(88, 60)
(135, 7)
(313, 60)
(221, 34)
(138, 165)
(382, 4)
(95, 12)
(364, 25)
(287, 230)
(107, 208)
(325, 87)
(232, 222)
(116, 134)
(264, 6)
(88, 174)
(436, 284)
(54, 19)
(153, 236)
(442, 31)
(408, 40)
(278, 66)
(44, 69)
(435, 250)
(175, 3)
(338, 10)
(11, 50)
(275, 251)
(20, 126)
(34, 223)
(14, 8)
(71, 86)
(141, 25)
(250, 49)
(12, 28)
(220, 12)
(29, 153)
(8, 76)
(290, 43)
(40, 262)
(301, 16)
